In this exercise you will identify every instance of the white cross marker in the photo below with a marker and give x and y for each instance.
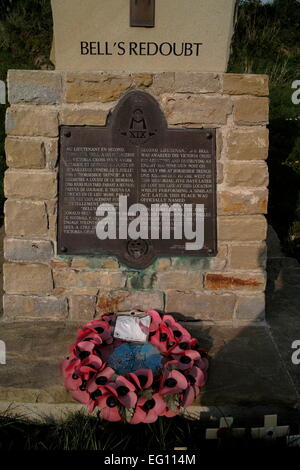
(270, 429)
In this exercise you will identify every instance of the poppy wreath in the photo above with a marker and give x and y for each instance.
(140, 396)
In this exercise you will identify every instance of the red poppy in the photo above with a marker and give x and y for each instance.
(92, 382)
(148, 410)
(189, 395)
(171, 414)
(124, 391)
(155, 320)
(196, 376)
(185, 360)
(108, 403)
(179, 332)
(202, 363)
(172, 382)
(142, 378)
(163, 338)
(102, 378)
(68, 370)
(103, 329)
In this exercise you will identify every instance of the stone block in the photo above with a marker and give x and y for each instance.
(28, 307)
(25, 153)
(196, 109)
(201, 305)
(242, 228)
(74, 278)
(251, 308)
(248, 144)
(163, 82)
(189, 82)
(51, 149)
(245, 84)
(82, 307)
(25, 219)
(59, 263)
(66, 278)
(246, 174)
(251, 256)
(179, 280)
(85, 87)
(52, 218)
(219, 143)
(96, 262)
(27, 278)
(16, 249)
(242, 201)
(104, 279)
(30, 184)
(250, 111)
(109, 263)
(162, 264)
(32, 121)
(140, 280)
(34, 86)
(92, 115)
(80, 262)
(215, 263)
(235, 281)
(142, 80)
(77, 291)
(122, 300)
(220, 172)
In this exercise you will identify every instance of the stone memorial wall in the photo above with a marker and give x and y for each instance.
(42, 284)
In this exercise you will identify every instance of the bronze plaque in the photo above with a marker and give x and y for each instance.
(104, 172)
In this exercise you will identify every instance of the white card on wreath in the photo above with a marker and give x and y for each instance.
(133, 327)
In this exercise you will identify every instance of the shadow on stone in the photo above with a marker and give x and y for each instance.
(249, 365)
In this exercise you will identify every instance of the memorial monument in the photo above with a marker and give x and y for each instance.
(136, 178)
(170, 127)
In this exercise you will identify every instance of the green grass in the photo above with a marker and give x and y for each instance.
(81, 432)
(25, 42)
(284, 168)
(267, 41)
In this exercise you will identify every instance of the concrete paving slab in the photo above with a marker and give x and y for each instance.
(283, 304)
(245, 368)
(245, 365)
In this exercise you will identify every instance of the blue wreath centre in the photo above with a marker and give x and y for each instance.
(130, 357)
